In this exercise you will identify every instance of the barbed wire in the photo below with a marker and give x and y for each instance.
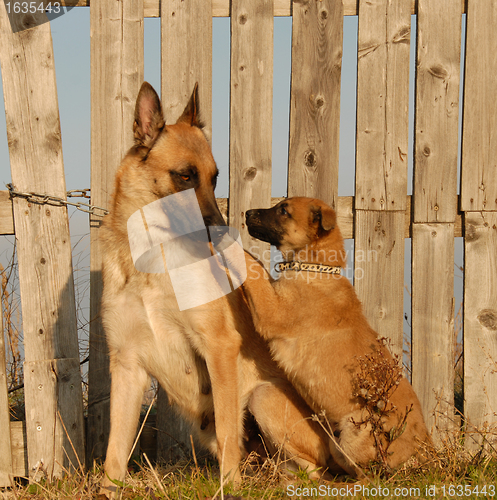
(56, 201)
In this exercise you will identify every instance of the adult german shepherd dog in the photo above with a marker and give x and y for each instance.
(318, 334)
(209, 359)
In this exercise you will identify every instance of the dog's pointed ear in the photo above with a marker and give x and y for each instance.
(191, 114)
(149, 120)
(325, 215)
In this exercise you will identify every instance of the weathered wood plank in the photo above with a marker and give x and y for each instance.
(51, 383)
(5, 439)
(186, 40)
(437, 110)
(42, 232)
(379, 271)
(220, 8)
(19, 448)
(381, 163)
(382, 104)
(6, 214)
(435, 209)
(186, 58)
(480, 326)
(174, 444)
(433, 340)
(251, 113)
(479, 141)
(116, 47)
(345, 214)
(315, 100)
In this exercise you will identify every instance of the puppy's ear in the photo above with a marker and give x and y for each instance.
(325, 215)
(149, 120)
(191, 114)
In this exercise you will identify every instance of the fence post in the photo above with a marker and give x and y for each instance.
(52, 378)
(479, 202)
(116, 47)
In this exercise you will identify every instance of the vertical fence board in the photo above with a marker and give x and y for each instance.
(382, 104)
(251, 112)
(116, 75)
(479, 143)
(381, 162)
(433, 323)
(435, 208)
(479, 193)
(19, 448)
(5, 440)
(480, 325)
(42, 233)
(379, 271)
(56, 381)
(186, 58)
(317, 40)
(437, 110)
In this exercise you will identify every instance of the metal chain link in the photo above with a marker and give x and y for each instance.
(60, 202)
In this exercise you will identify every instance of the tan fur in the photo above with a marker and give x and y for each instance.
(209, 359)
(317, 331)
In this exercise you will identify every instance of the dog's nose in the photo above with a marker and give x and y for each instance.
(214, 220)
(250, 214)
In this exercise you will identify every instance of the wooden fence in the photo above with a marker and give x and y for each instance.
(379, 217)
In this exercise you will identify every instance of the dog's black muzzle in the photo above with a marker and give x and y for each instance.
(263, 225)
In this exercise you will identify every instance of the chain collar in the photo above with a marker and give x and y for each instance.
(296, 265)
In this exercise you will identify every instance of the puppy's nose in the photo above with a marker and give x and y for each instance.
(250, 213)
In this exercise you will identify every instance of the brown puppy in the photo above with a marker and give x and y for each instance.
(208, 358)
(318, 334)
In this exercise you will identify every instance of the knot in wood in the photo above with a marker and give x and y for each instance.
(470, 233)
(438, 71)
(488, 319)
(426, 151)
(242, 19)
(324, 15)
(249, 173)
(310, 159)
(319, 101)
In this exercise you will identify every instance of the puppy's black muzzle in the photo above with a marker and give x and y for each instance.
(263, 225)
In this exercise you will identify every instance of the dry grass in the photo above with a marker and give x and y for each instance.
(451, 466)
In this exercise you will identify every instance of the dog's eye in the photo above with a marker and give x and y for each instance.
(283, 211)
(185, 177)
